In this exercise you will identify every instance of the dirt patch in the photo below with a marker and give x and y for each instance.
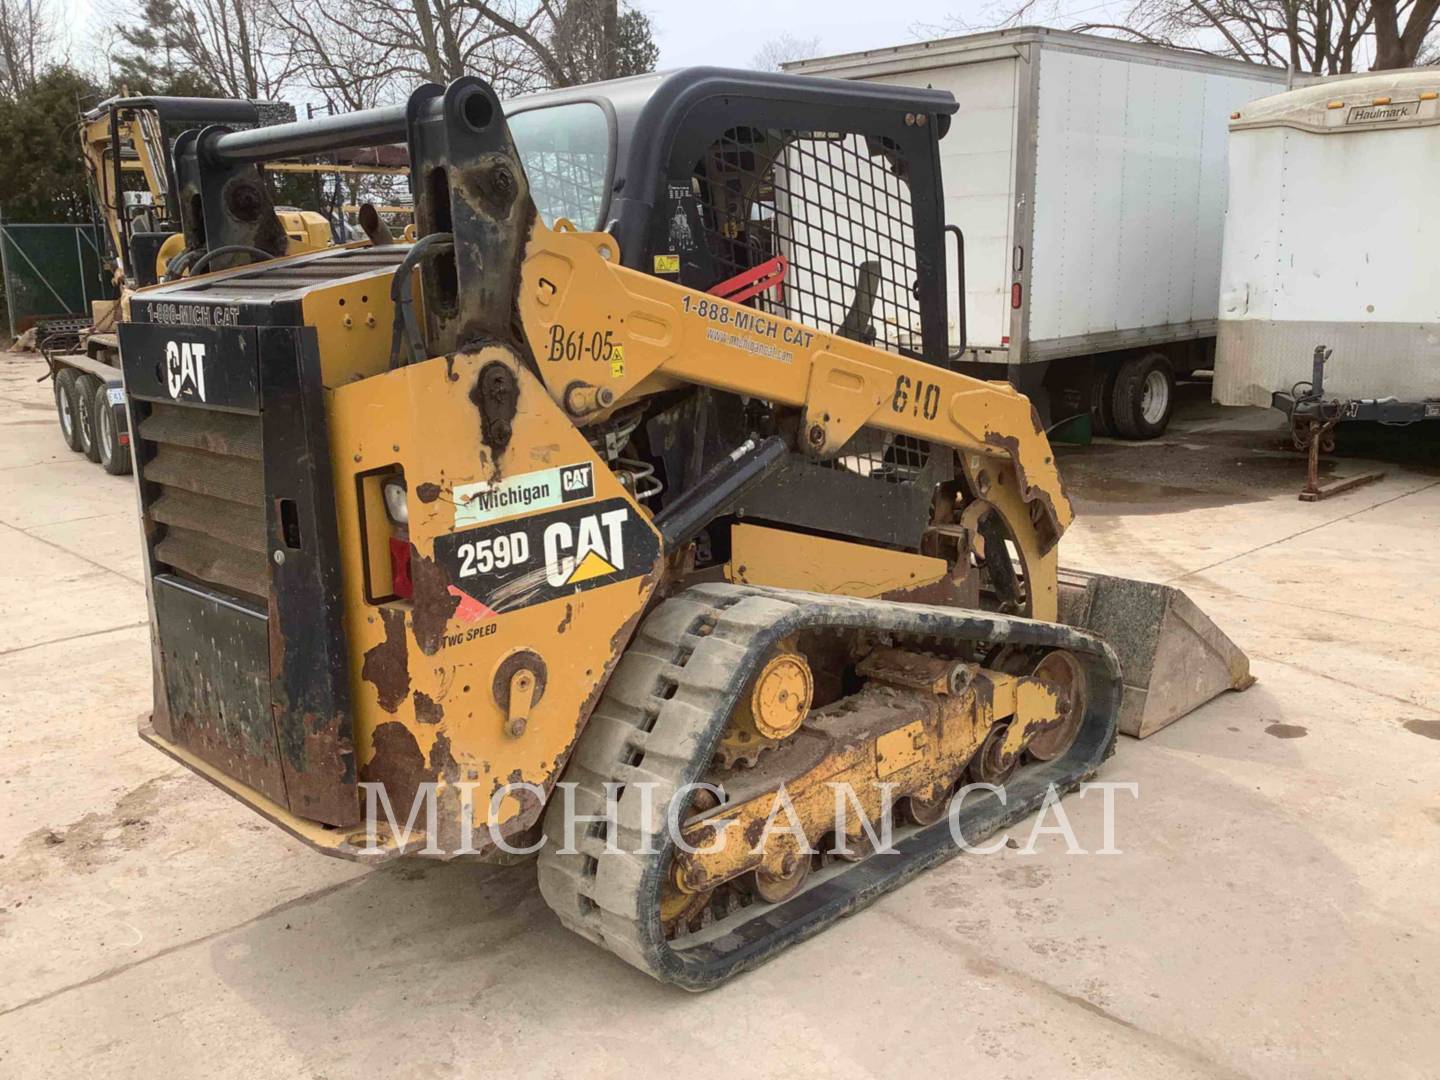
(1025, 876)
(98, 838)
(1191, 473)
(1429, 728)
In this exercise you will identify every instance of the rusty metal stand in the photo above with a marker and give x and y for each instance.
(1312, 427)
(1321, 435)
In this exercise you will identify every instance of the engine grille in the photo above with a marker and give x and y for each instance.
(208, 495)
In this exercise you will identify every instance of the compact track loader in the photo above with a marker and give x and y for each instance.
(643, 468)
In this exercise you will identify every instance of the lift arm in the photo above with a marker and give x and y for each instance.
(603, 334)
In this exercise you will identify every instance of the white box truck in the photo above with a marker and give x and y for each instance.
(1087, 176)
(1332, 242)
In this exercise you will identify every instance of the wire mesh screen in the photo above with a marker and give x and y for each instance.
(837, 207)
(568, 185)
(881, 455)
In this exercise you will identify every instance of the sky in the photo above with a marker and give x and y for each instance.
(729, 33)
(689, 32)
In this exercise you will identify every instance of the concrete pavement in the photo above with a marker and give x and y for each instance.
(1273, 913)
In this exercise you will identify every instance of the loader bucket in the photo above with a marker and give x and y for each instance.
(1172, 657)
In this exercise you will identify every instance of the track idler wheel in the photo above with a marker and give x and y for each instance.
(678, 908)
(990, 764)
(930, 808)
(1062, 671)
(775, 887)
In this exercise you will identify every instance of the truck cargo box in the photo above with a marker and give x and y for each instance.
(1088, 178)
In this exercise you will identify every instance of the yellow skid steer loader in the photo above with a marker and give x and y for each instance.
(633, 511)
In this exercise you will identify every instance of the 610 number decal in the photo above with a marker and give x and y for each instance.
(916, 397)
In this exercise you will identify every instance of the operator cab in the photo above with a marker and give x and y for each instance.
(814, 199)
(708, 177)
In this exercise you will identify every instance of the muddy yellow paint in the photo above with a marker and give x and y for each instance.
(760, 555)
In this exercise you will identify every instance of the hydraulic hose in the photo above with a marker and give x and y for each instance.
(229, 249)
(407, 330)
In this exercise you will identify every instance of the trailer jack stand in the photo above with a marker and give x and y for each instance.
(1312, 426)
(1321, 436)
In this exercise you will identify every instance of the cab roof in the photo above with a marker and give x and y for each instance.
(642, 109)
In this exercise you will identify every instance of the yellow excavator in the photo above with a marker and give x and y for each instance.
(125, 145)
(630, 513)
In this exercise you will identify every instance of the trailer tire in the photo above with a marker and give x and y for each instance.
(114, 456)
(65, 407)
(85, 386)
(1102, 400)
(1144, 396)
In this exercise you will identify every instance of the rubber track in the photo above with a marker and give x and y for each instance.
(660, 719)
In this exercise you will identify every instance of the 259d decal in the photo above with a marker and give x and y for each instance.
(529, 561)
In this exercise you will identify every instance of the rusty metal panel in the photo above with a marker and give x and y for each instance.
(232, 479)
(231, 434)
(199, 556)
(309, 678)
(207, 489)
(215, 665)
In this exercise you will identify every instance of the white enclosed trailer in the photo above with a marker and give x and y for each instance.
(1088, 178)
(1332, 239)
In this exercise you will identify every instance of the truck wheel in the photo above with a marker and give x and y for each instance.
(65, 407)
(1102, 400)
(85, 387)
(114, 457)
(1144, 396)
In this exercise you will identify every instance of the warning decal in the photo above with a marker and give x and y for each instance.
(531, 560)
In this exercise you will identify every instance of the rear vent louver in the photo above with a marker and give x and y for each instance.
(208, 495)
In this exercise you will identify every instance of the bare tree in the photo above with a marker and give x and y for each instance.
(1397, 45)
(519, 45)
(28, 38)
(584, 42)
(779, 51)
(1323, 37)
(380, 42)
(569, 42)
(348, 68)
(234, 47)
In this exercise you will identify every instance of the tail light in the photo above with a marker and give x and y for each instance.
(397, 509)
(401, 585)
(1015, 296)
